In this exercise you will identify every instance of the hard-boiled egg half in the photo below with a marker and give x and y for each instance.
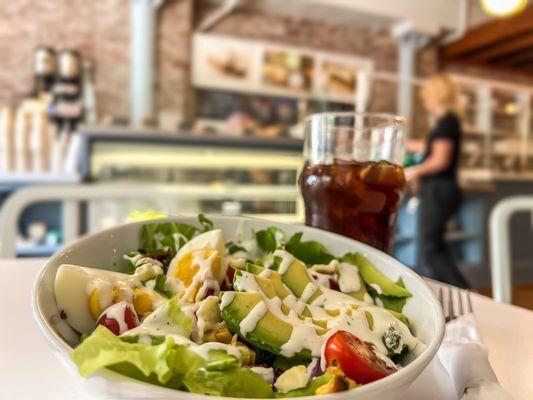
(83, 293)
(200, 264)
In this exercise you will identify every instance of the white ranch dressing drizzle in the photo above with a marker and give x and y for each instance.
(322, 279)
(226, 299)
(293, 303)
(309, 290)
(377, 288)
(249, 322)
(117, 312)
(265, 273)
(302, 337)
(159, 323)
(203, 349)
(208, 315)
(266, 373)
(326, 268)
(349, 280)
(203, 274)
(286, 260)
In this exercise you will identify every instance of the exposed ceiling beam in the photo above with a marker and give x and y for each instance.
(506, 48)
(489, 33)
(519, 59)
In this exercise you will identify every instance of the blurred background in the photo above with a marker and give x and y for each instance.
(190, 106)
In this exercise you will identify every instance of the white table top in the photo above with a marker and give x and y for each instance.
(28, 369)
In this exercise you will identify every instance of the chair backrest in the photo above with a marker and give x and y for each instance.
(500, 246)
(70, 196)
(165, 198)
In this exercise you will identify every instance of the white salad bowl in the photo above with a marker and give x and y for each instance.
(105, 250)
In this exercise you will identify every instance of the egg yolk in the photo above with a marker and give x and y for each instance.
(190, 263)
(142, 302)
(94, 304)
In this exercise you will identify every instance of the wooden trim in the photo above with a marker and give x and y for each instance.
(490, 33)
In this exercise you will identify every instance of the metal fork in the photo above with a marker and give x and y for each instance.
(452, 312)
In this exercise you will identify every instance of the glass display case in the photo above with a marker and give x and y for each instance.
(214, 174)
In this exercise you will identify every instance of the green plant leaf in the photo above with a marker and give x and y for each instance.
(270, 239)
(206, 223)
(310, 252)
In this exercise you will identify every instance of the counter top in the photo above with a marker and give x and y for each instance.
(131, 135)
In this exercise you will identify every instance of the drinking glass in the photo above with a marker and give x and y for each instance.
(353, 179)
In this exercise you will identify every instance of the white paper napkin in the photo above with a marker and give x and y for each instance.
(465, 358)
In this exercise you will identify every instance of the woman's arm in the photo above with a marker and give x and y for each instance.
(415, 146)
(439, 160)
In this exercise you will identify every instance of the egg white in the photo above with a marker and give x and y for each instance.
(212, 239)
(71, 293)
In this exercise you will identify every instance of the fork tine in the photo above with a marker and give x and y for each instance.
(469, 302)
(441, 301)
(451, 314)
(460, 310)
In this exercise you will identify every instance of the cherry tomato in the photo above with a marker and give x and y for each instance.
(119, 318)
(356, 358)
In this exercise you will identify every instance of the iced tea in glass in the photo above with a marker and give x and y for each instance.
(352, 180)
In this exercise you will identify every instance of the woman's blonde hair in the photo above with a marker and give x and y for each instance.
(444, 91)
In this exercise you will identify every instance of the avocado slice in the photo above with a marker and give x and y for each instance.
(274, 287)
(372, 276)
(297, 278)
(269, 334)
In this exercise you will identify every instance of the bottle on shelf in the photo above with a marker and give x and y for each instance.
(67, 107)
(44, 71)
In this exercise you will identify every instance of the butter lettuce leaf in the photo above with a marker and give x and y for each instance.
(234, 382)
(102, 349)
(169, 365)
(178, 317)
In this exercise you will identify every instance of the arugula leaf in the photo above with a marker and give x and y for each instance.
(207, 224)
(270, 239)
(310, 252)
(166, 236)
(234, 248)
(159, 287)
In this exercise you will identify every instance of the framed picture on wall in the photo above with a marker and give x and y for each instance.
(221, 59)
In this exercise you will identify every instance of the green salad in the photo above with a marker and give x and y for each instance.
(258, 315)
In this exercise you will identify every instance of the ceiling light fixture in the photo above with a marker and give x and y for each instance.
(503, 8)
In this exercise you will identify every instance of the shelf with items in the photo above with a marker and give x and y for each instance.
(265, 68)
(273, 81)
(497, 122)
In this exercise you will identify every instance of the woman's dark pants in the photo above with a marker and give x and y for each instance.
(439, 201)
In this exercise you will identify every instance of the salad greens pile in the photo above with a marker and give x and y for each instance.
(263, 315)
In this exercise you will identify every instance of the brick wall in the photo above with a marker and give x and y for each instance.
(100, 30)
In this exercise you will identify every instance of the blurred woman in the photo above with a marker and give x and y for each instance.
(439, 191)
